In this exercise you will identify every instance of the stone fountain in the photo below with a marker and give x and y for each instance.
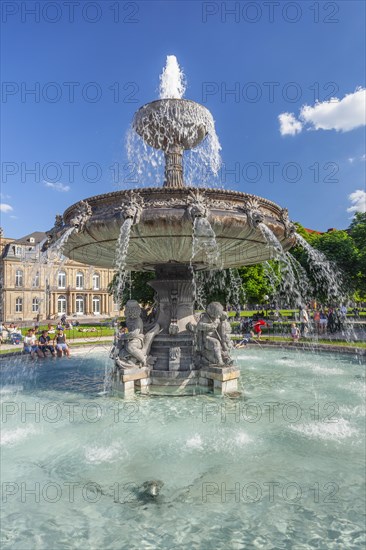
(177, 350)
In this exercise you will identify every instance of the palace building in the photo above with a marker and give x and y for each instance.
(32, 289)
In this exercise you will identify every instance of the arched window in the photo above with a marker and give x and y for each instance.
(79, 280)
(96, 305)
(96, 281)
(61, 279)
(79, 304)
(18, 305)
(35, 305)
(61, 304)
(35, 282)
(19, 277)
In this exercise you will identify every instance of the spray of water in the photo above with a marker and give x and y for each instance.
(204, 242)
(120, 260)
(289, 287)
(327, 276)
(172, 80)
(201, 164)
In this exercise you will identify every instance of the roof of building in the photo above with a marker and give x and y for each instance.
(38, 237)
(312, 231)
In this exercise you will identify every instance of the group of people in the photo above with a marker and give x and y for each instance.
(40, 346)
(6, 332)
(325, 320)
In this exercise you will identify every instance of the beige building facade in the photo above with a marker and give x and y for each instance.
(32, 288)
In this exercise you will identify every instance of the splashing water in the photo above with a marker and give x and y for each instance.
(201, 163)
(289, 285)
(172, 80)
(327, 276)
(204, 241)
(120, 261)
(54, 252)
(235, 291)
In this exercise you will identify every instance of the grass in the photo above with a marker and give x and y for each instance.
(74, 333)
(345, 343)
(283, 313)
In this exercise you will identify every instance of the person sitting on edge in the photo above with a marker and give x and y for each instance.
(50, 329)
(295, 332)
(61, 345)
(30, 345)
(44, 343)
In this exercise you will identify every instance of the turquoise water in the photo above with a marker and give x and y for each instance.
(280, 468)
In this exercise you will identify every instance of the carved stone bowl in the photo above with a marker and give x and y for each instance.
(168, 122)
(162, 223)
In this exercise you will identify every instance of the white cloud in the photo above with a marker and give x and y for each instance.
(363, 157)
(57, 186)
(289, 125)
(358, 200)
(351, 159)
(342, 115)
(5, 207)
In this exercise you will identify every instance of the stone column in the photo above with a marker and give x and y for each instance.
(174, 166)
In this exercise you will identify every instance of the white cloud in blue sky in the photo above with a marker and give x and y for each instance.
(5, 208)
(342, 115)
(358, 200)
(289, 126)
(57, 186)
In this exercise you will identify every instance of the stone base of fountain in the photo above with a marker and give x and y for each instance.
(213, 379)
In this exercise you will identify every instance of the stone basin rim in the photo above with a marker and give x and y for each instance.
(166, 193)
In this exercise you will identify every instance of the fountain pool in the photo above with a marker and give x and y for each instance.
(238, 473)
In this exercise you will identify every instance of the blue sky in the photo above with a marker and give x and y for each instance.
(276, 56)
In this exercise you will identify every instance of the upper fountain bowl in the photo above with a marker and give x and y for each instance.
(169, 122)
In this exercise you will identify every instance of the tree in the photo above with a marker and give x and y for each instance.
(136, 288)
(357, 231)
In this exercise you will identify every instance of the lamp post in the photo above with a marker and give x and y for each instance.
(266, 298)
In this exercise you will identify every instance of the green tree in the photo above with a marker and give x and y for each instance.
(357, 232)
(255, 283)
(136, 288)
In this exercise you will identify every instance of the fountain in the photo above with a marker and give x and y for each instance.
(174, 231)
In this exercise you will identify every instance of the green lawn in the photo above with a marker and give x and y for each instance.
(75, 332)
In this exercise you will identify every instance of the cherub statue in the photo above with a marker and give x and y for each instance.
(212, 336)
(133, 346)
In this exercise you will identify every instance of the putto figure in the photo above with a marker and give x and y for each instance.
(212, 336)
(133, 346)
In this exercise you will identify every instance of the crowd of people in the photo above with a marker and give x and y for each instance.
(317, 320)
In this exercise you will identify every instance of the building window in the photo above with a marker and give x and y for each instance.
(96, 305)
(18, 305)
(79, 304)
(115, 306)
(19, 277)
(61, 304)
(61, 279)
(96, 281)
(35, 282)
(35, 305)
(79, 280)
(18, 250)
